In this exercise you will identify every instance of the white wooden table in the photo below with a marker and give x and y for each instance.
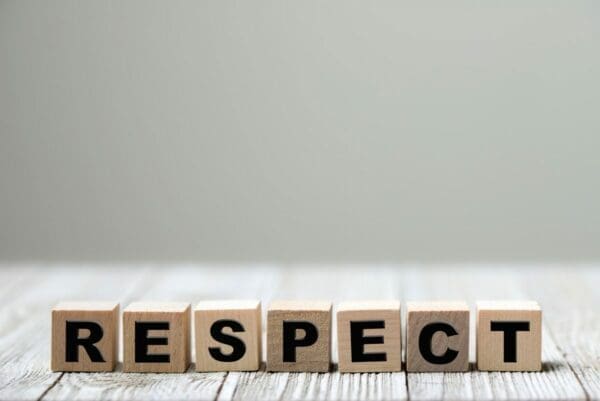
(570, 298)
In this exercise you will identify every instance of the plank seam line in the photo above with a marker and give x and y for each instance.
(221, 386)
(564, 353)
(51, 386)
(406, 383)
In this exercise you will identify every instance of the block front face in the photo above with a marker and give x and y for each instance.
(509, 336)
(299, 336)
(369, 336)
(84, 336)
(228, 336)
(156, 337)
(437, 337)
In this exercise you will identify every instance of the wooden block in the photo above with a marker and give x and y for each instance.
(85, 336)
(369, 336)
(509, 336)
(156, 337)
(299, 336)
(437, 337)
(228, 335)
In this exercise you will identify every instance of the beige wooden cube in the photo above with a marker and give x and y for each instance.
(84, 336)
(228, 335)
(299, 336)
(156, 337)
(369, 336)
(509, 336)
(437, 337)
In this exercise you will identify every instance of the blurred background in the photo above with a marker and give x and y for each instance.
(342, 131)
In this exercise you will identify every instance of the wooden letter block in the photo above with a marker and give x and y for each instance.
(228, 335)
(369, 336)
(509, 336)
(299, 336)
(156, 337)
(437, 337)
(85, 336)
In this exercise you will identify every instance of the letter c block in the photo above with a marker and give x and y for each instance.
(84, 336)
(299, 336)
(437, 337)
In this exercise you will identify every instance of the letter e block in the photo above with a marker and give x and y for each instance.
(228, 335)
(85, 336)
(509, 336)
(437, 337)
(156, 337)
(299, 336)
(369, 336)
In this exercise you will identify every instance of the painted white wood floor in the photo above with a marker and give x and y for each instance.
(570, 298)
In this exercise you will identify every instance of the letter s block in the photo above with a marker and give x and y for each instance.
(156, 337)
(509, 336)
(369, 336)
(299, 336)
(228, 335)
(437, 337)
(84, 336)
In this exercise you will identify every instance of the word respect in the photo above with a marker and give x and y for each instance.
(228, 336)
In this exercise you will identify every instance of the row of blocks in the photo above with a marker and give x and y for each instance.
(156, 336)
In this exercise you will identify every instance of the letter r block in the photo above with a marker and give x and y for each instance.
(299, 336)
(369, 336)
(156, 337)
(437, 337)
(84, 336)
(509, 336)
(228, 335)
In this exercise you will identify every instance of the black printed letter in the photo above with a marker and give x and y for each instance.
(425, 338)
(510, 337)
(290, 342)
(358, 341)
(239, 348)
(142, 341)
(73, 341)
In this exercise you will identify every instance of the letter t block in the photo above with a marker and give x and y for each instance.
(84, 336)
(509, 336)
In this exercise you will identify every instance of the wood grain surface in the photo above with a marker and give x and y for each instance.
(568, 295)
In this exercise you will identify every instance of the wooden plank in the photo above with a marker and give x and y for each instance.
(25, 321)
(301, 282)
(570, 298)
(555, 382)
(187, 284)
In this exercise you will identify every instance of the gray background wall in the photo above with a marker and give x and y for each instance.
(305, 130)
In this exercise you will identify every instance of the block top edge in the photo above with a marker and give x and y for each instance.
(508, 305)
(300, 305)
(155, 306)
(228, 304)
(418, 306)
(86, 306)
(374, 304)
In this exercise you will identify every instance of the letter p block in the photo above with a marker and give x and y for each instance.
(299, 336)
(84, 336)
